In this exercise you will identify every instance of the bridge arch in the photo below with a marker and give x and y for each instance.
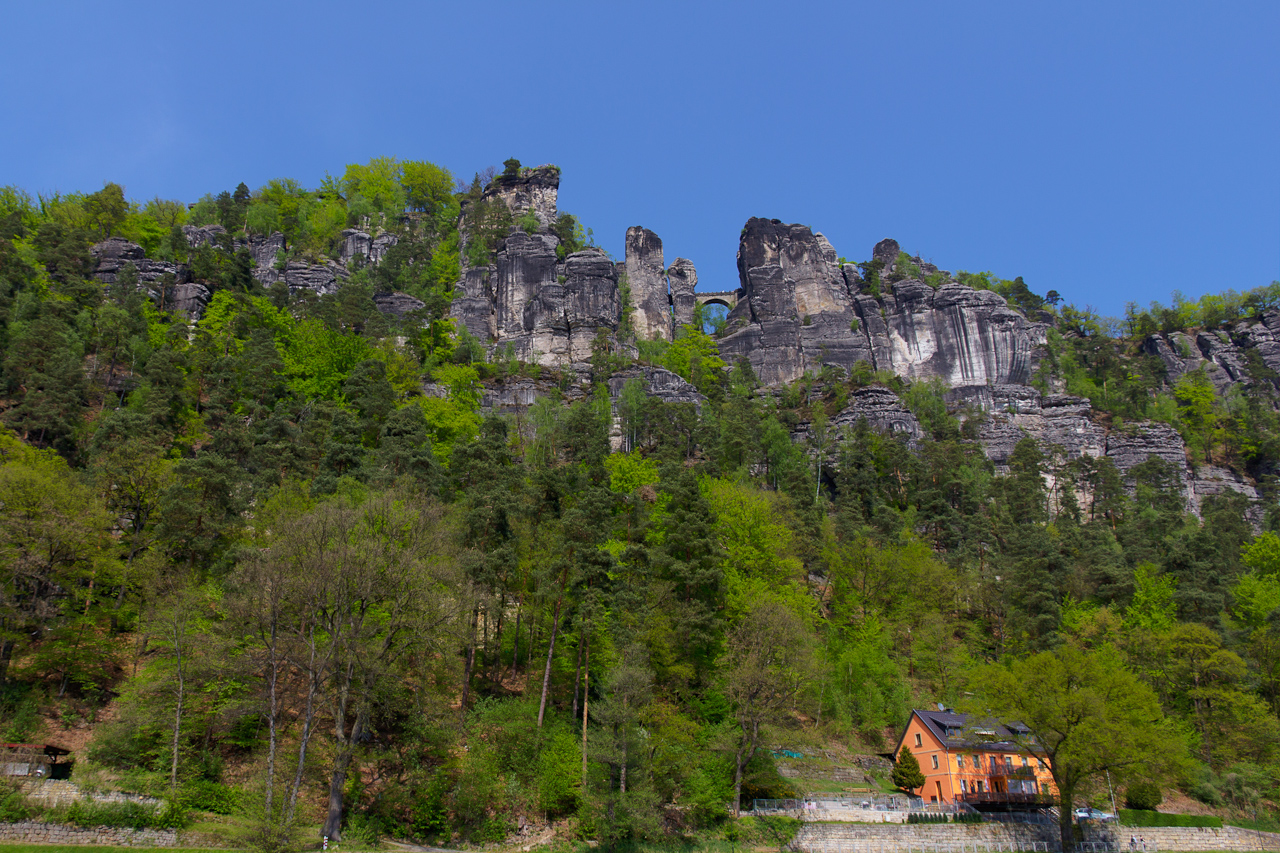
(727, 298)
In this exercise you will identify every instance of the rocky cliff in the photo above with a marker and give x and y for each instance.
(801, 310)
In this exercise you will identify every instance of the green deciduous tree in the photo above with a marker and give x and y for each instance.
(1089, 714)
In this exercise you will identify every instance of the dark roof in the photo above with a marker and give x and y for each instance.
(963, 731)
(48, 749)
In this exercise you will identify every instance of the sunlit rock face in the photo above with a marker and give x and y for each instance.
(802, 310)
(647, 278)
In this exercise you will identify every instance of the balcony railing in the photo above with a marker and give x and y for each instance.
(1007, 798)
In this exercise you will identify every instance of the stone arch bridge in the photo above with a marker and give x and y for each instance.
(727, 298)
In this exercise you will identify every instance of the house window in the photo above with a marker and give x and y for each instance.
(1024, 761)
(1044, 788)
(935, 762)
(1008, 761)
(917, 740)
(964, 786)
(960, 761)
(995, 764)
(1040, 761)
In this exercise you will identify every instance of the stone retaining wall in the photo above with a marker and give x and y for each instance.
(33, 832)
(890, 837)
(53, 792)
(900, 838)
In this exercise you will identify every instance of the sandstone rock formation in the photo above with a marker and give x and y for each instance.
(533, 189)
(113, 254)
(647, 279)
(396, 304)
(802, 310)
(683, 279)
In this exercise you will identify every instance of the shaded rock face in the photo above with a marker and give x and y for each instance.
(200, 235)
(473, 305)
(883, 412)
(359, 244)
(683, 279)
(647, 278)
(547, 313)
(397, 304)
(658, 382)
(802, 310)
(524, 285)
(534, 189)
(112, 255)
(190, 299)
(1223, 354)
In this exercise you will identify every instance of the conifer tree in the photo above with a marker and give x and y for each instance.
(906, 771)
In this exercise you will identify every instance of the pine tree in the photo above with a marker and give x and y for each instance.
(906, 771)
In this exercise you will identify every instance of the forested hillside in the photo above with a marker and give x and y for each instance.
(327, 548)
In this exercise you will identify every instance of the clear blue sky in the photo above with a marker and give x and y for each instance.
(1112, 151)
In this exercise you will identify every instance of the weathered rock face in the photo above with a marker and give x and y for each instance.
(647, 278)
(319, 278)
(396, 304)
(474, 306)
(547, 313)
(525, 280)
(190, 299)
(359, 244)
(200, 235)
(113, 254)
(534, 189)
(802, 310)
(882, 410)
(658, 382)
(683, 278)
(1223, 354)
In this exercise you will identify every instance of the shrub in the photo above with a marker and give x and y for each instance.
(13, 805)
(1136, 817)
(1143, 796)
(210, 797)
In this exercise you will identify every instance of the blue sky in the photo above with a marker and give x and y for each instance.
(1110, 151)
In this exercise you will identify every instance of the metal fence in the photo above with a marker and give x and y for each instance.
(851, 846)
(876, 802)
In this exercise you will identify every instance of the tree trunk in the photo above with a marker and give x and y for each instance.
(177, 714)
(1065, 818)
(584, 714)
(273, 711)
(746, 749)
(470, 665)
(551, 650)
(515, 646)
(577, 676)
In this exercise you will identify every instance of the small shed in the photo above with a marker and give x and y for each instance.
(37, 760)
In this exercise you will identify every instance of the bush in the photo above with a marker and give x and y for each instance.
(127, 815)
(1143, 796)
(1136, 817)
(210, 797)
(14, 806)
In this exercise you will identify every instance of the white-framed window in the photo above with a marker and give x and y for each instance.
(935, 761)
(964, 786)
(918, 742)
(960, 761)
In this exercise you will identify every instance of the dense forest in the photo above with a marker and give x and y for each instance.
(265, 566)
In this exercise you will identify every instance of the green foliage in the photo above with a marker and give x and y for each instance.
(1135, 817)
(1142, 795)
(906, 771)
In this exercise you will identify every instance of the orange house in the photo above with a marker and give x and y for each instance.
(983, 763)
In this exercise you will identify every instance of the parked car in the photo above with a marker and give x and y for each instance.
(1093, 814)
